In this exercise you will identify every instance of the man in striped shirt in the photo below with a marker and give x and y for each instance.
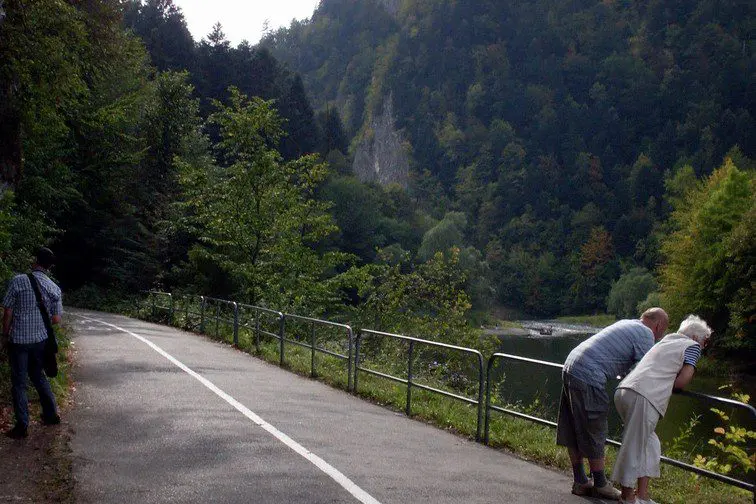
(24, 333)
(582, 426)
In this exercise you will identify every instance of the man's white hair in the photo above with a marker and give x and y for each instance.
(695, 328)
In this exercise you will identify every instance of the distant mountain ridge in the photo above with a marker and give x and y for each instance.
(608, 77)
(552, 124)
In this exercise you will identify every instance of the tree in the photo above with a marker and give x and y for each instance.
(301, 128)
(594, 268)
(332, 136)
(443, 236)
(629, 291)
(708, 256)
(162, 27)
(256, 217)
(428, 301)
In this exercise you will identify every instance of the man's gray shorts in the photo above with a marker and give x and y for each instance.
(583, 413)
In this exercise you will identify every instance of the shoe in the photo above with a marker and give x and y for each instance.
(582, 488)
(53, 420)
(607, 492)
(17, 432)
(647, 501)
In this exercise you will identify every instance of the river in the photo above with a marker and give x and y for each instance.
(537, 388)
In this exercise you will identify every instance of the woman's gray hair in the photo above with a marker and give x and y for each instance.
(695, 328)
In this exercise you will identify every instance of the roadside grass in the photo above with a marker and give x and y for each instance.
(599, 320)
(525, 439)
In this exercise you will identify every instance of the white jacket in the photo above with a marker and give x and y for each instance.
(655, 374)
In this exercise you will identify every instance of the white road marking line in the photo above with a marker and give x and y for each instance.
(321, 464)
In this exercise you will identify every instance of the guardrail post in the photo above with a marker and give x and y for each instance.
(281, 334)
(356, 359)
(202, 314)
(257, 331)
(480, 397)
(170, 309)
(313, 374)
(409, 378)
(217, 319)
(350, 381)
(152, 297)
(488, 399)
(236, 324)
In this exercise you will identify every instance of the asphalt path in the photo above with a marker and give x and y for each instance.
(162, 415)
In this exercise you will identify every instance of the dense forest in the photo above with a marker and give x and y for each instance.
(563, 157)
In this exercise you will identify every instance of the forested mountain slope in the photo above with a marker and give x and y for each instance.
(552, 124)
(550, 157)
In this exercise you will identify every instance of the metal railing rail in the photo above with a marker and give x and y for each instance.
(184, 304)
(255, 324)
(216, 307)
(409, 380)
(152, 300)
(312, 344)
(670, 461)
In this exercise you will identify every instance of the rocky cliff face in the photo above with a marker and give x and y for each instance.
(391, 5)
(380, 156)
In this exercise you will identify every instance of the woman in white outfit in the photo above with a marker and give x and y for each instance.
(641, 400)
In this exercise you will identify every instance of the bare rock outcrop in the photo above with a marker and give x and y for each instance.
(381, 156)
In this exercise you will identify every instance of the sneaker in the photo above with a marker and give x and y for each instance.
(647, 501)
(607, 492)
(582, 488)
(53, 420)
(17, 432)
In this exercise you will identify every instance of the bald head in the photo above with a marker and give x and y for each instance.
(657, 320)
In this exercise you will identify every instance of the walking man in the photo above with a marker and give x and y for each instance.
(582, 426)
(25, 334)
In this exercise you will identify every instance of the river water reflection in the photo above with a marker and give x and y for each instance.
(536, 388)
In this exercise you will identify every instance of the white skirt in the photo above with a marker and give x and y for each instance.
(640, 454)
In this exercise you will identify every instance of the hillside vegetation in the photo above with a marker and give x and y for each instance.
(562, 158)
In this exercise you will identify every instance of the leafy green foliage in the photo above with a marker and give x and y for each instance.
(629, 291)
(428, 301)
(709, 255)
(730, 442)
(540, 120)
(256, 218)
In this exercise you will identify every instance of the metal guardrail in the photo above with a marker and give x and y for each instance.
(214, 307)
(184, 304)
(252, 318)
(409, 380)
(152, 300)
(312, 344)
(241, 319)
(670, 461)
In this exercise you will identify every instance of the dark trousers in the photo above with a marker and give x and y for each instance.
(27, 359)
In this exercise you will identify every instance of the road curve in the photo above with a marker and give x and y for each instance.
(162, 415)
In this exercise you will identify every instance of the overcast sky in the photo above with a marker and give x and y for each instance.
(242, 19)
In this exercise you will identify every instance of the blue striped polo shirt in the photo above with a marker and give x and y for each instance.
(610, 353)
